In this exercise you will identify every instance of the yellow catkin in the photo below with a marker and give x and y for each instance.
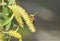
(1, 36)
(15, 34)
(20, 39)
(25, 16)
(17, 16)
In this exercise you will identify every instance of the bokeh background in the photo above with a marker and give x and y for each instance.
(47, 20)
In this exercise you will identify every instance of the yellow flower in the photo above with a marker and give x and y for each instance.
(15, 34)
(1, 36)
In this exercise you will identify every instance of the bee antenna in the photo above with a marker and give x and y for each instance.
(36, 12)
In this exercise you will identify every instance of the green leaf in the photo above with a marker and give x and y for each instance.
(8, 26)
(0, 14)
(5, 12)
(14, 25)
(1, 21)
(1, 28)
(8, 20)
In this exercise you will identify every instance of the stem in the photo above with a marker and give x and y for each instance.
(17, 29)
(4, 32)
(9, 38)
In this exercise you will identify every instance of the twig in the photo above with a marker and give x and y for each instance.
(17, 29)
(9, 38)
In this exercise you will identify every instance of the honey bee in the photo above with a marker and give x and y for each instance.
(32, 16)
